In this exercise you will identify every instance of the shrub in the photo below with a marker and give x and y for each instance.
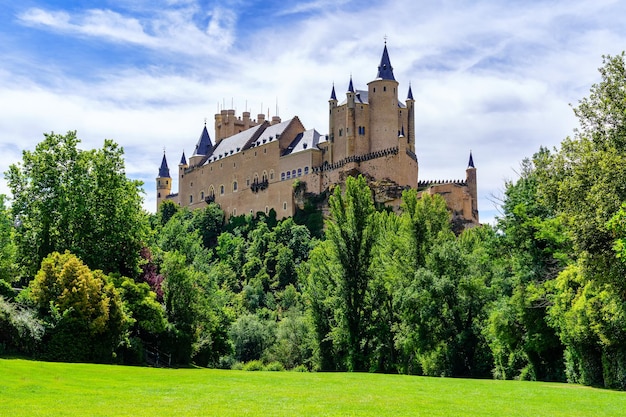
(274, 366)
(255, 365)
(237, 366)
(300, 368)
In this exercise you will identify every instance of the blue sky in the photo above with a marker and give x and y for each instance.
(489, 76)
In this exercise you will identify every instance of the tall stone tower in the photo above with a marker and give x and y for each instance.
(472, 186)
(163, 181)
(383, 107)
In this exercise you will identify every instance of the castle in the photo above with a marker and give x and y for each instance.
(256, 165)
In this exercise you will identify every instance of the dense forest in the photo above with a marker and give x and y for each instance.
(87, 275)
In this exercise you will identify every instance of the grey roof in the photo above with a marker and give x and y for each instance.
(333, 96)
(362, 97)
(164, 171)
(350, 86)
(204, 145)
(410, 95)
(308, 139)
(385, 70)
(183, 160)
(471, 161)
(272, 132)
(235, 143)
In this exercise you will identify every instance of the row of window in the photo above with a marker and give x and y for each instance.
(293, 174)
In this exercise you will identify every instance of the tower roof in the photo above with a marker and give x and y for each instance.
(164, 171)
(183, 160)
(385, 70)
(350, 86)
(333, 96)
(204, 145)
(410, 95)
(470, 164)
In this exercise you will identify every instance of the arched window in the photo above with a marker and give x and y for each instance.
(264, 175)
(190, 199)
(201, 195)
(306, 170)
(212, 191)
(288, 174)
(271, 175)
(234, 185)
(267, 210)
(285, 205)
(282, 176)
(299, 172)
(221, 189)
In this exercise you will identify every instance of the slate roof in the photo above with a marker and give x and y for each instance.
(235, 143)
(183, 160)
(385, 70)
(333, 96)
(471, 161)
(204, 145)
(306, 140)
(164, 171)
(410, 95)
(362, 97)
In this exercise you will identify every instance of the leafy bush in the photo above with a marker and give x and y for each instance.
(274, 366)
(20, 330)
(255, 365)
(300, 368)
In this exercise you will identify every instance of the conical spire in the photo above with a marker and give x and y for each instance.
(333, 96)
(164, 171)
(183, 160)
(350, 86)
(410, 95)
(471, 161)
(204, 145)
(385, 70)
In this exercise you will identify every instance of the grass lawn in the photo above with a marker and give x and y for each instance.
(29, 388)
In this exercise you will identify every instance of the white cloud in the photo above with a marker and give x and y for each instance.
(492, 77)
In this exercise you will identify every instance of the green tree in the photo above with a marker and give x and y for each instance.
(352, 233)
(84, 310)
(81, 201)
(583, 181)
(8, 270)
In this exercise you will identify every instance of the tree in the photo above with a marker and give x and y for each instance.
(583, 181)
(84, 310)
(81, 201)
(352, 232)
(8, 270)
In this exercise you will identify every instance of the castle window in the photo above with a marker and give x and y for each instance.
(201, 195)
(247, 182)
(158, 195)
(221, 190)
(166, 182)
(272, 174)
(374, 90)
(234, 212)
(221, 164)
(264, 175)
(267, 210)
(235, 186)
(234, 164)
(306, 170)
(256, 177)
(285, 205)
(211, 191)
(159, 182)
(293, 173)
(299, 172)
(385, 88)
(265, 150)
(191, 184)
(340, 132)
(282, 176)
(288, 174)
(190, 199)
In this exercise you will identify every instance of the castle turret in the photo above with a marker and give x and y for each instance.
(472, 186)
(163, 182)
(203, 148)
(332, 106)
(350, 119)
(385, 123)
(410, 124)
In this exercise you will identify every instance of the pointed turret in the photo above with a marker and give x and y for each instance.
(472, 185)
(183, 160)
(164, 171)
(333, 96)
(203, 147)
(410, 95)
(163, 182)
(471, 161)
(350, 86)
(385, 70)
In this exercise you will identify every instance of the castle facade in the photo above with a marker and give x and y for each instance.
(255, 165)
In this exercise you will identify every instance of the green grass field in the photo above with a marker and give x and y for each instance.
(29, 388)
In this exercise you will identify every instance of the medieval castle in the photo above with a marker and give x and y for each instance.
(260, 165)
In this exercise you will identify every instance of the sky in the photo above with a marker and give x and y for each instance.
(497, 78)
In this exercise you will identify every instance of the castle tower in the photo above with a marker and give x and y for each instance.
(332, 105)
(472, 186)
(163, 182)
(350, 119)
(410, 120)
(383, 107)
(203, 148)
